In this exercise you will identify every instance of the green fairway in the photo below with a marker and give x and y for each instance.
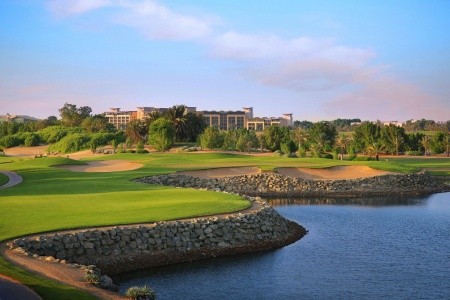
(3, 179)
(51, 198)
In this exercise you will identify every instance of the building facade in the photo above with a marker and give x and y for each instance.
(120, 119)
(224, 120)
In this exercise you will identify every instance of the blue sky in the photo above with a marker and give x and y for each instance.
(387, 60)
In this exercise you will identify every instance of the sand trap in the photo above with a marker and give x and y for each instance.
(26, 151)
(222, 172)
(103, 166)
(339, 172)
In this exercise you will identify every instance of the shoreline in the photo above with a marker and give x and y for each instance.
(132, 259)
(130, 262)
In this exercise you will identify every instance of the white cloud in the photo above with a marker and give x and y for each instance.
(76, 7)
(301, 64)
(159, 22)
(152, 19)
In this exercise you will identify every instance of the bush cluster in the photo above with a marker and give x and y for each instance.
(141, 293)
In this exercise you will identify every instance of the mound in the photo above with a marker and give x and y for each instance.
(103, 166)
(333, 173)
(222, 172)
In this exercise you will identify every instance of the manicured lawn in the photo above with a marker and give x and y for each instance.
(53, 199)
(3, 179)
(436, 165)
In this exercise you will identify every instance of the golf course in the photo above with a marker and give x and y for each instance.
(52, 198)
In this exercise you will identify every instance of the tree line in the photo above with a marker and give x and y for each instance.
(79, 129)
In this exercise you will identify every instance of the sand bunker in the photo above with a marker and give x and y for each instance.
(333, 173)
(103, 166)
(222, 172)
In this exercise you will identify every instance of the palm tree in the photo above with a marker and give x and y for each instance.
(136, 131)
(393, 137)
(300, 136)
(177, 115)
(374, 148)
(342, 142)
(426, 143)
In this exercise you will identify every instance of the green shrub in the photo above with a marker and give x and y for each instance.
(327, 156)
(140, 148)
(363, 158)
(72, 143)
(277, 153)
(140, 292)
(92, 278)
(288, 147)
(301, 152)
(31, 139)
(10, 141)
(414, 153)
(53, 134)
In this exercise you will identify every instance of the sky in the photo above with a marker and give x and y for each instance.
(320, 60)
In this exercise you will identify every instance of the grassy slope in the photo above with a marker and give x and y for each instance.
(53, 199)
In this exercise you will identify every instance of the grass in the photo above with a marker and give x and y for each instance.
(3, 179)
(51, 198)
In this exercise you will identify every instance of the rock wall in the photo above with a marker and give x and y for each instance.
(276, 185)
(125, 248)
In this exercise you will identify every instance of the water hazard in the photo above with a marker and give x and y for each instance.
(381, 248)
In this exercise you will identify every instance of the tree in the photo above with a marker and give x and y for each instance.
(136, 131)
(366, 135)
(161, 134)
(374, 148)
(275, 135)
(323, 135)
(72, 116)
(393, 138)
(246, 140)
(230, 139)
(176, 114)
(437, 143)
(288, 147)
(300, 136)
(342, 142)
(426, 144)
(447, 143)
(97, 123)
(211, 138)
(192, 128)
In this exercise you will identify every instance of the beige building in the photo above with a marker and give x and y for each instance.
(259, 124)
(224, 120)
(120, 119)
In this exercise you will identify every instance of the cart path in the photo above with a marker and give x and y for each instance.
(14, 179)
(12, 290)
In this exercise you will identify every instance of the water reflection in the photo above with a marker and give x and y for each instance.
(371, 201)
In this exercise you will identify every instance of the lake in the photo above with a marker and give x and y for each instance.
(379, 248)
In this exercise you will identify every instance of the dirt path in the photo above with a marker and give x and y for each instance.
(14, 179)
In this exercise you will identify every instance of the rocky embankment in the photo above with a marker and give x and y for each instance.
(120, 249)
(276, 185)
